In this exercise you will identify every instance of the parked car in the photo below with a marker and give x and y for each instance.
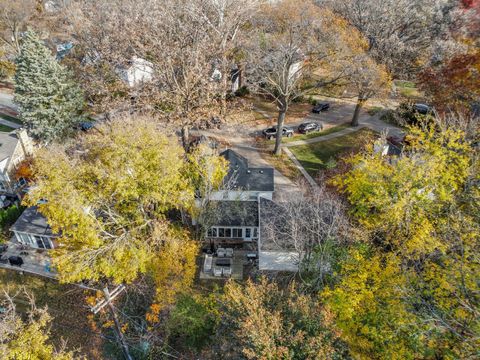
(308, 127)
(323, 106)
(422, 109)
(270, 133)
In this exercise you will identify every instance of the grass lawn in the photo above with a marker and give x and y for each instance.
(65, 304)
(10, 118)
(282, 163)
(5, 128)
(314, 157)
(407, 89)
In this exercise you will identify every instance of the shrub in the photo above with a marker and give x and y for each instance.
(243, 91)
(9, 216)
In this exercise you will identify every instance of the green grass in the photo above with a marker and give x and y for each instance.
(298, 137)
(407, 89)
(316, 156)
(10, 118)
(5, 128)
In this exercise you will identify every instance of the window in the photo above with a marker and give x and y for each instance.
(237, 233)
(248, 232)
(209, 232)
(42, 242)
(228, 232)
(255, 232)
(221, 232)
(214, 232)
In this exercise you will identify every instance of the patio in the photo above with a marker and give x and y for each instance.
(214, 267)
(35, 261)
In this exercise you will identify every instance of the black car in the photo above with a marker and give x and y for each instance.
(422, 109)
(270, 133)
(323, 106)
(308, 127)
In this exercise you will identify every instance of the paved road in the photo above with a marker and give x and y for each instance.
(6, 99)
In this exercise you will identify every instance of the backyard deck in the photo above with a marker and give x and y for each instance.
(239, 261)
(35, 261)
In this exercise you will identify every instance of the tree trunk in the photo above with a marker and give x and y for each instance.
(281, 119)
(185, 137)
(356, 113)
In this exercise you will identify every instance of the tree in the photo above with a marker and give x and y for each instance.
(368, 79)
(49, 101)
(27, 339)
(409, 291)
(312, 224)
(14, 17)
(453, 85)
(111, 197)
(399, 29)
(263, 321)
(288, 42)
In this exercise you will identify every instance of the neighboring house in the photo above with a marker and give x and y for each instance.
(137, 72)
(32, 229)
(243, 182)
(14, 148)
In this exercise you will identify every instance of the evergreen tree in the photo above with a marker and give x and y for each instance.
(49, 101)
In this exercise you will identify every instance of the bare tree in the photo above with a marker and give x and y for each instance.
(14, 17)
(400, 33)
(288, 42)
(315, 225)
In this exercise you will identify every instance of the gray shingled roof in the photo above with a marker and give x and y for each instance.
(243, 177)
(32, 222)
(274, 234)
(8, 143)
(235, 213)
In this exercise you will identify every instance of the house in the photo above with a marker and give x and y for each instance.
(32, 229)
(137, 72)
(14, 148)
(243, 182)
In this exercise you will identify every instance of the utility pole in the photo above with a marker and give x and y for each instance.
(108, 302)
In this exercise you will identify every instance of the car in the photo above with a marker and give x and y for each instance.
(422, 109)
(308, 127)
(270, 133)
(323, 106)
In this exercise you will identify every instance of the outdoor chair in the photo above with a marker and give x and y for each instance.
(227, 272)
(217, 271)
(221, 252)
(229, 252)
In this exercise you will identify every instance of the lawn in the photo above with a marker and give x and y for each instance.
(407, 89)
(10, 118)
(318, 156)
(5, 128)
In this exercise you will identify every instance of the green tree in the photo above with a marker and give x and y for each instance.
(48, 99)
(110, 196)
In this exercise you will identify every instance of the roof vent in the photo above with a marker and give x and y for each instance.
(249, 171)
(261, 171)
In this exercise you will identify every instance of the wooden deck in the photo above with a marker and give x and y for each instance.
(239, 260)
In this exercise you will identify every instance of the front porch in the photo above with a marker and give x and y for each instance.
(34, 261)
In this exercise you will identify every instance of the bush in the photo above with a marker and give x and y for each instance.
(243, 91)
(193, 320)
(9, 216)
(312, 101)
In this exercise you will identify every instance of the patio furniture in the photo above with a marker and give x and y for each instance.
(15, 260)
(229, 252)
(217, 271)
(227, 271)
(207, 264)
(221, 252)
(223, 262)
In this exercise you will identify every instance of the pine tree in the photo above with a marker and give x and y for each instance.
(49, 101)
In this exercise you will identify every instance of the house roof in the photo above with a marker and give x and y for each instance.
(234, 213)
(8, 143)
(32, 222)
(241, 176)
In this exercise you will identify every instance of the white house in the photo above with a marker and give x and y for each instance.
(137, 72)
(14, 148)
